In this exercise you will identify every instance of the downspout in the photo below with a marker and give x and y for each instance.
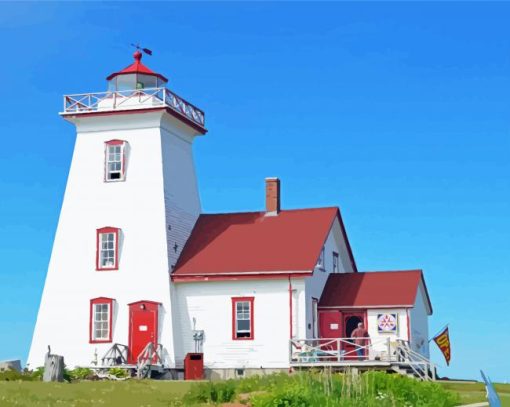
(290, 308)
(290, 323)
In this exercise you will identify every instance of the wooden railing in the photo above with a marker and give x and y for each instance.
(339, 350)
(116, 355)
(344, 352)
(132, 99)
(150, 355)
(422, 368)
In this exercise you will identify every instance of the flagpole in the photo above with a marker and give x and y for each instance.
(438, 332)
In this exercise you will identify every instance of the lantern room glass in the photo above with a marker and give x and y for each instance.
(134, 81)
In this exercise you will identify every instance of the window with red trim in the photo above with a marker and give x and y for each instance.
(242, 318)
(107, 248)
(101, 312)
(115, 162)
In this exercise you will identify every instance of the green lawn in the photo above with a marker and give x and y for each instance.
(101, 393)
(154, 393)
(475, 392)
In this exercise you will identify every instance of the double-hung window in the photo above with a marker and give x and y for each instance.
(335, 263)
(101, 311)
(107, 257)
(115, 160)
(242, 318)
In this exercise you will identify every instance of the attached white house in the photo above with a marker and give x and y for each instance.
(137, 267)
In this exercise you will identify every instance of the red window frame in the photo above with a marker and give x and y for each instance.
(101, 300)
(122, 143)
(235, 300)
(99, 232)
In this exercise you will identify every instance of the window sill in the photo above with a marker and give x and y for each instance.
(108, 181)
(243, 339)
(107, 269)
(100, 341)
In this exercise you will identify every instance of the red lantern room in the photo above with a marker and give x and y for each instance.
(135, 76)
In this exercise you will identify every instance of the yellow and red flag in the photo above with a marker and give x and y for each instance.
(442, 340)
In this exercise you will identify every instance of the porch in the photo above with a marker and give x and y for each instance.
(374, 354)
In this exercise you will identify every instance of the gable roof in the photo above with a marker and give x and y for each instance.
(374, 289)
(253, 243)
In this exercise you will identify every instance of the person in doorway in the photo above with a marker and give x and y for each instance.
(361, 338)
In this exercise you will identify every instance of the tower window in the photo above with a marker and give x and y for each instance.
(101, 311)
(115, 160)
(242, 318)
(107, 257)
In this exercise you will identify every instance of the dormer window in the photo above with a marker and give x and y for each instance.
(115, 162)
(107, 257)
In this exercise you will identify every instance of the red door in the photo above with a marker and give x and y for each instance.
(330, 326)
(143, 327)
(350, 323)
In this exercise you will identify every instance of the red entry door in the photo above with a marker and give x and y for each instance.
(330, 326)
(351, 321)
(143, 327)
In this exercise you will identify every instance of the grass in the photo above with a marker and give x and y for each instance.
(275, 390)
(93, 393)
(475, 392)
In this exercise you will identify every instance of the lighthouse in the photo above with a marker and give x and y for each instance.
(130, 204)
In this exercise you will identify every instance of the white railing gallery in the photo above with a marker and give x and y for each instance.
(344, 351)
(132, 99)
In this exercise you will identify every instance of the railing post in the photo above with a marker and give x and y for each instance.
(388, 346)
(339, 351)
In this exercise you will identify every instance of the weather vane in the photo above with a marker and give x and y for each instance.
(144, 50)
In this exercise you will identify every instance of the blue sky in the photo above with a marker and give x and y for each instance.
(396, 112)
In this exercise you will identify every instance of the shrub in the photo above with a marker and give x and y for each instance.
(80, 373)
(372, 389)
(211, 392)
(118, 372)
(26, 375)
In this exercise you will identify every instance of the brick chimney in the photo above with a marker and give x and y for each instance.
(272, 196)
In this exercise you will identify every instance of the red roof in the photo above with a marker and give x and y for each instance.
(243, 243)
(137, 67)
(373, 289)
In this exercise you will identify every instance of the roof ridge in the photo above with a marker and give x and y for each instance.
(392, 271)
(262, 211)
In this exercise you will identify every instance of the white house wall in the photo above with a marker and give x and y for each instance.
(419, 324)
(379, 339)
(335, 242)
(211, 305)
(139, 206)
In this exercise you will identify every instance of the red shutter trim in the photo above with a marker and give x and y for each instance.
(101, 300)
(107, 229)
(235, 300)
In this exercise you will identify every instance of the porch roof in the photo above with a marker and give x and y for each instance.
(374, 289)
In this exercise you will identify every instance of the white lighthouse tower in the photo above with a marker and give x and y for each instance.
(130, 204)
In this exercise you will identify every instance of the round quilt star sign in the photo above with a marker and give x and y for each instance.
(387, 322)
